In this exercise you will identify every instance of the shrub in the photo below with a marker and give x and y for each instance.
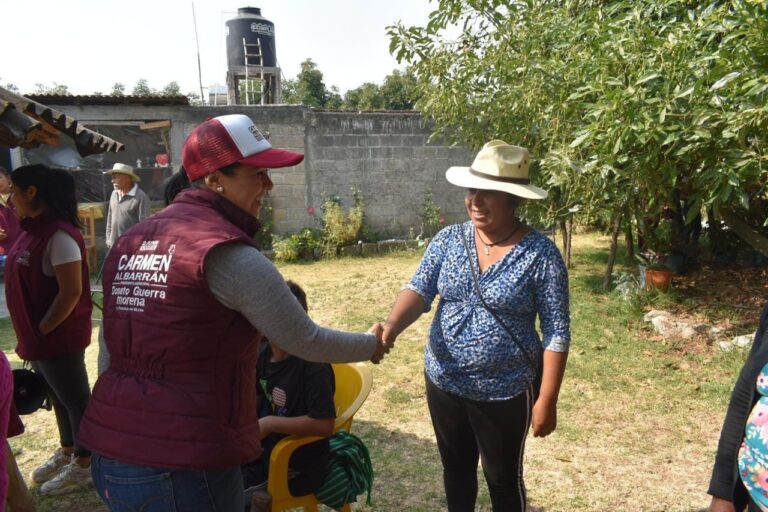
(296, 246)
(431, 222)
(265, 234)
(340, 229)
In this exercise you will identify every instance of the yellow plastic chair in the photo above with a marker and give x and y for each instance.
(353, 384)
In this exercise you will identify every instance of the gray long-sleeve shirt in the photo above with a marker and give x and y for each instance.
(243, 279)
(124, 212)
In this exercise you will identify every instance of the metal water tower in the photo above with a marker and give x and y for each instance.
(253, 77)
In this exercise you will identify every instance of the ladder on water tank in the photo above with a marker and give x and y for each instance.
(258, 60)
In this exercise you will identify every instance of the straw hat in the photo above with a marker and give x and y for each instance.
(124, 169)
(498, 166)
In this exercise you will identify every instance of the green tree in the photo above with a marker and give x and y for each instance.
(118, 89)
(142, 88)
(289, 92)
(366, 97)
(334, 101)
(310, 87)
(56, 89)
(399, 91)
(171, 89)
(623, 102)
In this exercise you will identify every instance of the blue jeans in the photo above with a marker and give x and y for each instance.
(130, 488)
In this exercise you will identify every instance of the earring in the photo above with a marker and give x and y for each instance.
(219, 189)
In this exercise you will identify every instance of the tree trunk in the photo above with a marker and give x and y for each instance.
(612, 255)
(744, 231)
(565, 232)
(568, 259)
(629, 240)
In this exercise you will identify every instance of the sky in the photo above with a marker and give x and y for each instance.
(88, 45)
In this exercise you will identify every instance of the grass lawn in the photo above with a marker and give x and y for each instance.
(639, 417)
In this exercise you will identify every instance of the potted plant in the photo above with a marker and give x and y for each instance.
(657, 274)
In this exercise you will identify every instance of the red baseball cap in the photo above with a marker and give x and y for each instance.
(225, 140)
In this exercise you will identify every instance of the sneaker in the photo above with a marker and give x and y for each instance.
(71, 478)
(51, 467)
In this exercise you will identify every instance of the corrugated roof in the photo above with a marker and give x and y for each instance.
(69, 99)
(26, 123)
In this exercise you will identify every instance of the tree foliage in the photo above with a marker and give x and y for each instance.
(629, 105)
(56, 89)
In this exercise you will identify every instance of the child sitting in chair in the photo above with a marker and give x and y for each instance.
(294, 397)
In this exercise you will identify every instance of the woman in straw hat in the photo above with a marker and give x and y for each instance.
(187, 298)
(489, 375)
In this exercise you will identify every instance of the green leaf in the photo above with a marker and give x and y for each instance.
(725, 80)
(647, 78)
(581, 138)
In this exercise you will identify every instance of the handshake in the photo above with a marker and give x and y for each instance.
(385, 336)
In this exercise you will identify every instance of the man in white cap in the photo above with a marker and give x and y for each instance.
(128, 204)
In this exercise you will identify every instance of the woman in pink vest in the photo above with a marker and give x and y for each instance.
(48, 294)
(9, 221)
(187, 298)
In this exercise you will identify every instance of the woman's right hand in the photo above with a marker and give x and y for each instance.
(721, 505)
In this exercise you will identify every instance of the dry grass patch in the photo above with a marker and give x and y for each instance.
(638, 418)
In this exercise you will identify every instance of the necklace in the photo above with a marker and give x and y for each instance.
(488, 246)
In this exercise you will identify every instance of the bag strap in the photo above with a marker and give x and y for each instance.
(479, 293)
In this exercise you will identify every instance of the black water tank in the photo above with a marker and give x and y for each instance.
(251, 25)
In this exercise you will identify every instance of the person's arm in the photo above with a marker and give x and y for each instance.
(62, 258)
(544, 414)
(244, 280)
(415, 299)
(144, 204)
(69, 278)
(721, 484)
(297, 425)
(551, 296)
(408, 307)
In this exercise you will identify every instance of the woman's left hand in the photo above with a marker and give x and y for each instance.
(544, 418)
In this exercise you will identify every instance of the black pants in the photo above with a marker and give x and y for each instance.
(492, 431)
(69, 392)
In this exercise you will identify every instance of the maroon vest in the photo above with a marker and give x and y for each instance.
(9, 222)
(179, 391)
(29, 293)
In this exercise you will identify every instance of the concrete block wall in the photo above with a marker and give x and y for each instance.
(385, 155)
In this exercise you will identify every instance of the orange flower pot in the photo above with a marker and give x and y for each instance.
(658, 279)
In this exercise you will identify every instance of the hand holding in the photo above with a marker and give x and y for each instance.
(544, 418)
(382, 346)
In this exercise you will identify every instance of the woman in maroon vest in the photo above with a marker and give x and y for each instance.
(187, 298)
(48, 294)
(9, 221)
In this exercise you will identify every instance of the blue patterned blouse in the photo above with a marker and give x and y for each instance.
(469, 354)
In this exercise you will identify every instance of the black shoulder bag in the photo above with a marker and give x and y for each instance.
(537, 365)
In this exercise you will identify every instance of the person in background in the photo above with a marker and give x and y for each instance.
(6, 399)
(128, 204)
(47, 290)
(187, 298)
(494, 275)
(740, 474)
(9, 220)
(19, 498)
(294, 397)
